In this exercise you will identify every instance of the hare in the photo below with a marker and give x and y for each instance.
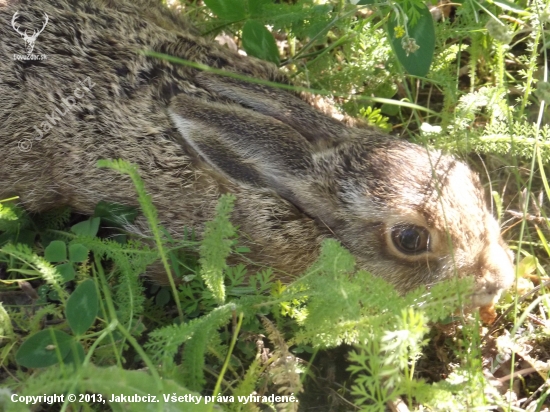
(408, 214)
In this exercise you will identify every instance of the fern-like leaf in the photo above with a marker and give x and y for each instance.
(216, 246)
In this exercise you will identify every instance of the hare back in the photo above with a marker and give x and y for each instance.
(96, 96)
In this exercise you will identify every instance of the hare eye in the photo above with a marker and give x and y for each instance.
(410, 240)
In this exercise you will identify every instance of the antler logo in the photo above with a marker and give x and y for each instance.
(29, 39)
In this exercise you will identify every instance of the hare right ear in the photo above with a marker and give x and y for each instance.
(247, 147)
(317, 128)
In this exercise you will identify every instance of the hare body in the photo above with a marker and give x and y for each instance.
(409, 215)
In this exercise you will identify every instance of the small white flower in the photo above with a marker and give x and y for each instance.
(428, 129)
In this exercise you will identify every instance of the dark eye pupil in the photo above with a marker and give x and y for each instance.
(410, 239)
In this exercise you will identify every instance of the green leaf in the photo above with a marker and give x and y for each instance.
(389, 109)
(163, 297)
(67, 271)
(82, 307)
(53, 295)
(231, 10)
(193, 360)
(115, 214)
(56, 251)
(76, 355)
(422, 33)
(257, 7)
(87, 228)
(216, 247)
(509, 6)
(78, 253)
(45, 348)
(259, 42)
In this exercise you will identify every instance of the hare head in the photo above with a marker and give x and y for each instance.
(410, 215)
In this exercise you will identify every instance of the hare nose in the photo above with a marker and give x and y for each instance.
(496, 274)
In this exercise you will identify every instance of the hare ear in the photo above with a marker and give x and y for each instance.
(318, 129)
(245, 146)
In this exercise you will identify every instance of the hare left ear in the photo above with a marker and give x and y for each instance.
(251, 148)
(319, 129)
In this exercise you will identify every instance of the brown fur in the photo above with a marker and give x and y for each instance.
(299, 176)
